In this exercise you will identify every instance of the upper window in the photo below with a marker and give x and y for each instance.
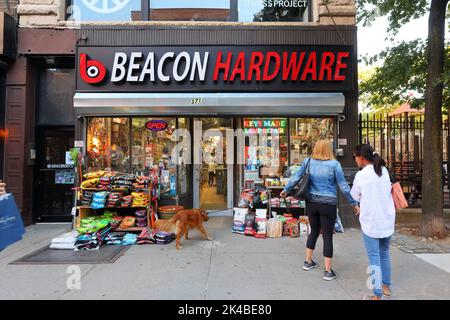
(189, 10)
(273, 10)
(104, 10)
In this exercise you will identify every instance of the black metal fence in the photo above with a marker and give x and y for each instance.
(399, 140)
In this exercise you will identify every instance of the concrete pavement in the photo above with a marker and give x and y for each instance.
(230, 267)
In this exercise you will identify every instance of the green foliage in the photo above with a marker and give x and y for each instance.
(404, 65)
(74, 155)
(398, 12)
(403, 72)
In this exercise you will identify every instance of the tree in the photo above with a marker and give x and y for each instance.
(432, 201)
(417, 66)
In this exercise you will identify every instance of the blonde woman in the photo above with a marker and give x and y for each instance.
(326, 176)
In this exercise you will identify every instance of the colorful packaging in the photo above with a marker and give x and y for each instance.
(250, 225)
(128, 222)
(239, 220)
(294, 228)
(261, 228)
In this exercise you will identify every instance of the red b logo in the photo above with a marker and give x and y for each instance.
(91, 71)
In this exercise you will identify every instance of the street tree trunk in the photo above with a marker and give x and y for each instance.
(432, 184)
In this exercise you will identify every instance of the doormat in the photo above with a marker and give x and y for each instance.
(45, 255)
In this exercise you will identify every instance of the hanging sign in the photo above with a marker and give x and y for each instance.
(156, 125)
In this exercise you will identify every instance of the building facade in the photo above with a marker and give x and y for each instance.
(168, 83)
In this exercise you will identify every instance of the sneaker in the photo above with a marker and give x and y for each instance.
(328, 276)
(387, 291)
(309, 265)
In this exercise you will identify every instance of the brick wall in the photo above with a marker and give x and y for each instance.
(340, 12)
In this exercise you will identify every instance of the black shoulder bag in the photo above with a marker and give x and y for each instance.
(302, 190)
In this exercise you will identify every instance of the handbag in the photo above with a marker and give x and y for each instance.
(398, 196)
(11, 224)
(302, 190)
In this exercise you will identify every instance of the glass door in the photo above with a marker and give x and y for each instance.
(55, 174)
(213, 163)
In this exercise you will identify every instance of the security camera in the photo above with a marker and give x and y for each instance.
(341, 118)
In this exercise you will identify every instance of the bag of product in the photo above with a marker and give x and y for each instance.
(239, 220)
(128, 222)
(286, 231)
(305, 228)
(294, 228)
(249, 225)
(274, 228)
(246, 198)
(261, 229)
(261, 213)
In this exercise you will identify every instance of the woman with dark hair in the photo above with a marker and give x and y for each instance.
(372, 188)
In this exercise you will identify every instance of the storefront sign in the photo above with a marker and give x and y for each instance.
(60, 166)
(156, 125)
(265, 126)
(216, 68)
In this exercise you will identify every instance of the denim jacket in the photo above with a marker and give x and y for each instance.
(325, 176)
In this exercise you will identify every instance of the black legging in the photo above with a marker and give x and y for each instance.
(321, 216)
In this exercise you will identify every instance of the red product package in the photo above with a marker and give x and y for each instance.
(261, 229)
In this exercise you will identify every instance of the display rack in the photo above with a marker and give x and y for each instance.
(86, 211)
(152, 192)
(295, 211)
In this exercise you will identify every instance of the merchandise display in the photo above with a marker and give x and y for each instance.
(92, 241)
(65, 241)
(141, 218)
(129, 239)
(274, 228)
(250, 220)
(261, 229)
(239, 220)
(140, 199)
(128, 222)
(114, 238)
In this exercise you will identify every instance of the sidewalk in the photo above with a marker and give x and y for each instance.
(230, 267)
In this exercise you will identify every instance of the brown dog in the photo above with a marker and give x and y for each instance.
(182, 222)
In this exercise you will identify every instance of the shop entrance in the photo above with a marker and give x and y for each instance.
(54, 174)
(213, 171)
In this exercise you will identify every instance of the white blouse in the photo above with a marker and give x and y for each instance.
(377, 214)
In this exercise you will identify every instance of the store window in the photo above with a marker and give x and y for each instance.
(153, 142)
(108, 144)
(304, 132)
(266, 148)
(273, 10)
(137, 145)
(104, 10)
(190, 10)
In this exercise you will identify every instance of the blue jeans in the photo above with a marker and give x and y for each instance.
(379, 262)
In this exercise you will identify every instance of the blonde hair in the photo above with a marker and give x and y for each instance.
(323, 150)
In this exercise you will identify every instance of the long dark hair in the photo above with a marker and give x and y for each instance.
(366, 151)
